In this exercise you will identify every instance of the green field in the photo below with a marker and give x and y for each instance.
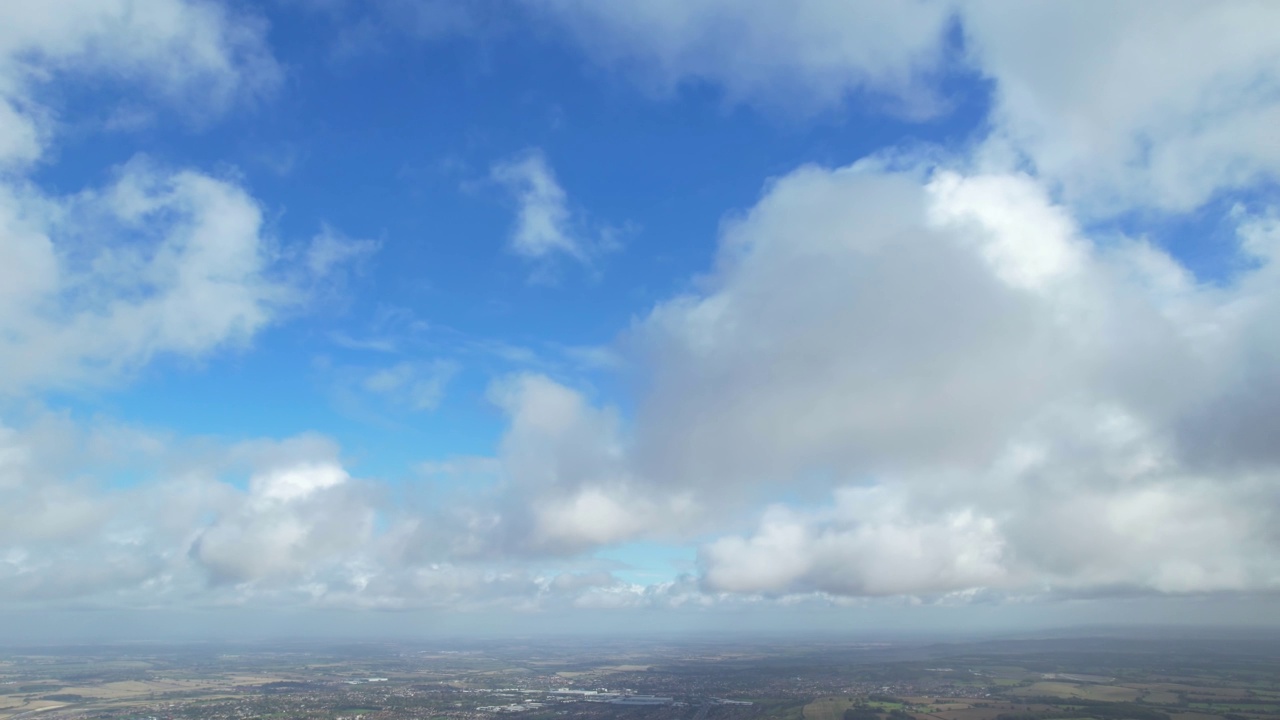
(828, 708)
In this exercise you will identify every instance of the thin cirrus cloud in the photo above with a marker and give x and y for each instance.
(420, 386)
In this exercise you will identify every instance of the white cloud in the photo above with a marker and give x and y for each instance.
(811, 53)
(545, 226)
(192, 53)
(867, 544)
(99, 282)
(109, 516)
(570, 482)
(293, 524)
(542, 217)
(1117, 105)
(1125, 106)
(158, 262)
(881, 336)
(179, 531)
(994, 400)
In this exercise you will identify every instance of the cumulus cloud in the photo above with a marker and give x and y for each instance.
(89, 303)
(992, 401)
(177, 523)
(201, 523)
(868, 543)
(291, 522)
(1124, 106)
(997, 400)
(159, 261)
(571, 485)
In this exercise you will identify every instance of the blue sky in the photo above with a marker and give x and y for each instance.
(896, 311)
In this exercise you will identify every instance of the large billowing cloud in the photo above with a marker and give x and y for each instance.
(997, 400)
(992, 401)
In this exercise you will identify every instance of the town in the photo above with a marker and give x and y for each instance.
(1109, 679)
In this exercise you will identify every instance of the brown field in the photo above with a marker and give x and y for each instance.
(123, 691)
(1108, 693)
(1197, 690)
(136, 688)
(1194, 716)
(23, 706)
(253, 679)
(971, 713)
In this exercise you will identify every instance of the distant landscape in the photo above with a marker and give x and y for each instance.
(1024, 679)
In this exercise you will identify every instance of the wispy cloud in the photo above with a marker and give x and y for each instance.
(419, 386)
(546, 227)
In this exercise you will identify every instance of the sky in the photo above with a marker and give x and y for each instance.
(342, 318)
